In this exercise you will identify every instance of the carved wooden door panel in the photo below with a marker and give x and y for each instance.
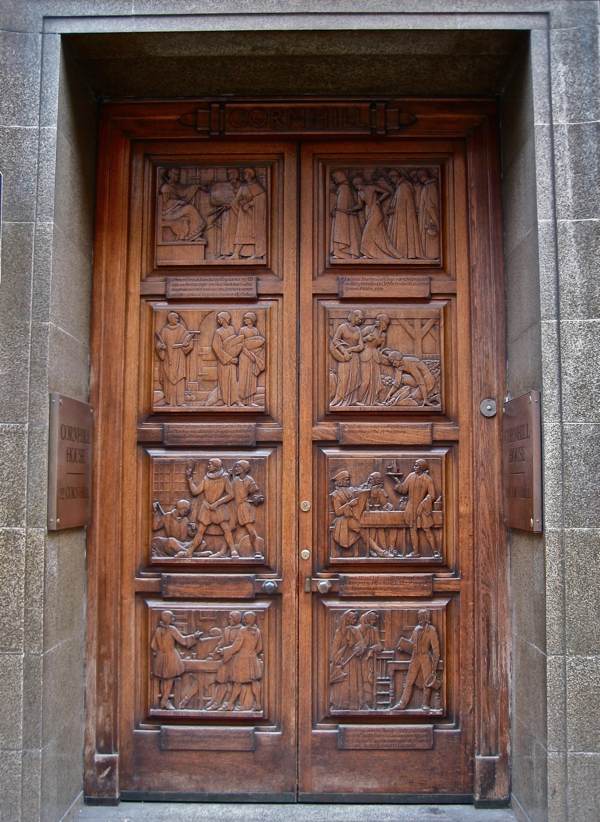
(296, 579)
(208, 702)
(385, 454)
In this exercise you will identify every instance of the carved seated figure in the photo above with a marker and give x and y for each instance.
(180, 532)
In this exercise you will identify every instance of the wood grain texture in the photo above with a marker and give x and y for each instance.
(346, 448)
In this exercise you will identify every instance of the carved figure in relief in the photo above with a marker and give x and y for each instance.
(348, 505)
(424, 648)
(345, 674)
(418, 513)
(373, 337)
(403, 223)
(178, 209)
(217, 492)
(223, 677)
(429, 216)
(345, 226)
(345, 347)
(226, 345)
(412, 384)
(247, 496)
(250, 203)
(167, 664)
(227, 210)
(378, 500)
(246, 665)
(251, 359)
(374, 243)
(173, 343)
(180, 529)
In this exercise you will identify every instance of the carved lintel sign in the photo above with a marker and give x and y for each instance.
(69, 463)
(522, 462)
(352, 118)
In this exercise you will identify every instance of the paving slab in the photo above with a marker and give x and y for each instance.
(242, 812)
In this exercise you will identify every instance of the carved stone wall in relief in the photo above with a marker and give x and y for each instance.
(206, 660)
(208, 508)
(386, 507)
(384, 214)
(215, 215)
(385, 358)
(386, 660)
(209, 359)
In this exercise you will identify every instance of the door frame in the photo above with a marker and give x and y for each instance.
(475, 122)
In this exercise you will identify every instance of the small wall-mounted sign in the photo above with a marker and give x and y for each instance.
(69, 463)
(522, 462)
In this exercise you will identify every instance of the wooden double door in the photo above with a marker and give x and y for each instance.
(296, 557)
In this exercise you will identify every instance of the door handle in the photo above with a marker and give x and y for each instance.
(320, 585)
(269, 586)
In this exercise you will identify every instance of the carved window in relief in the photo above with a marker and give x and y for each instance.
(211, 359)
(208, 660)
(384, 358)
(212, 215)
(387, 660)
(386, 507)
(209, 507)
(384, 214)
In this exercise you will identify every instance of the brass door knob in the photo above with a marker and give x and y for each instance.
(305, 505)
(305, 553)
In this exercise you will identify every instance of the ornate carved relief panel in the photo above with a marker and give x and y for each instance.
(218, 506)
(209, 660)
(386, 357)
(384, 506)
(383, 213)
(215, 215)
(211, 358)
(384, 658)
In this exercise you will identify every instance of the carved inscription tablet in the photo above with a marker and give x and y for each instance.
(207, 659)
(386, 506)
(384, 357)
(387, 660)
(212, 358)
(211, 506)
(212, 214)
(384, 214)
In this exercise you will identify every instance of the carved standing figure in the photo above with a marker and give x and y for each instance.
(178, 209)
(371, 646)
(229, 214)
(345, 225)
(247, 496)
(424, 648)
(251, 226)
(345, 346)
(223, 678)
(167, 664)
(429, 215)
(403, 225)
(173, 343)
(348, 505)
(418, 514)
(251, 359)
(345, 674)
(378, 500)
(245, 664)
(374, 338)
(217, 491)
(226, 346)
(374, 242)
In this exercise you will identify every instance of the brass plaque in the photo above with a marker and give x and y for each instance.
(69, 463)
(522, 463)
